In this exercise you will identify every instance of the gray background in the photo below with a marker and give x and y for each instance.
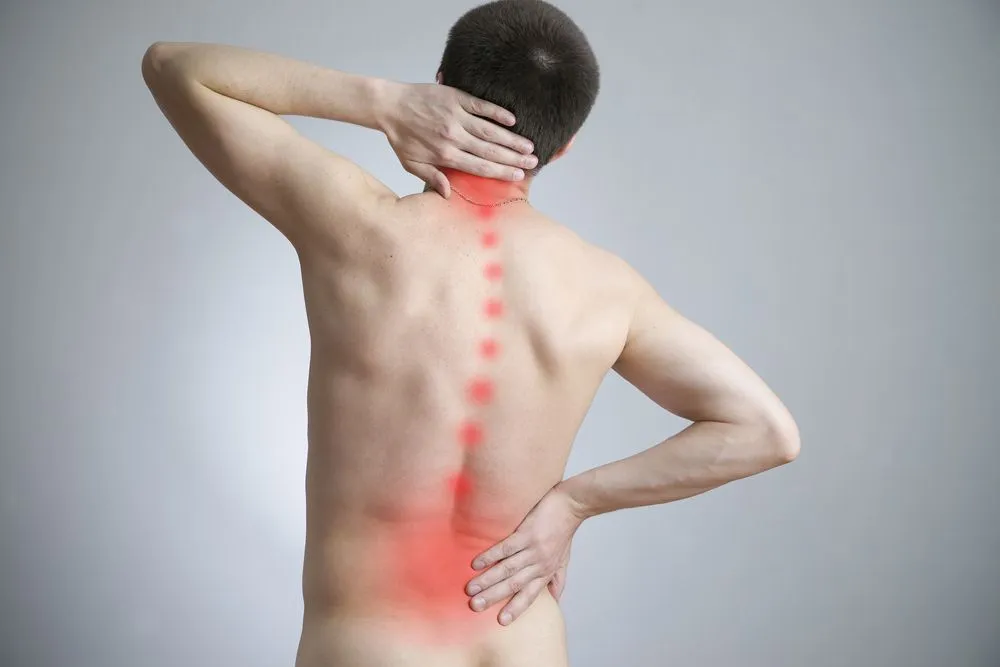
(818, 183)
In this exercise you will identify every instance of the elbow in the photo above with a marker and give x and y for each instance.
(157, 59)
(781, 440)
(772, 439)
(152, 63)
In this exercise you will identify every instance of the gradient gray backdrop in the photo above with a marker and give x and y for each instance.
(818, 183)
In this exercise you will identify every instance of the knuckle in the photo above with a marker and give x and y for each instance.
(485, 152)
(446, 131)
(515, 586)
(446, 153)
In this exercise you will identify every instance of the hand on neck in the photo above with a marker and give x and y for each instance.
(485, 191)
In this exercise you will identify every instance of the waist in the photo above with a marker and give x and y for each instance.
(409, 576)
(351, 636)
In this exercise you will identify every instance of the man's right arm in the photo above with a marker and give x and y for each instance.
(739, 427)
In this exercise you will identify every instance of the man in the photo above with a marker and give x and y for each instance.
(458, 339)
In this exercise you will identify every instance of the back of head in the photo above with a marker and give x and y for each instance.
(530, 58)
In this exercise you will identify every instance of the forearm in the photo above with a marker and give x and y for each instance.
(278, 84)
(702, 457)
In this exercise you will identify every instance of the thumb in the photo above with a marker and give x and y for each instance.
(556, 584)
(432, 177)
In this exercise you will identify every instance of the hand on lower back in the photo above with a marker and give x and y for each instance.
(430, 126)
(533, 557)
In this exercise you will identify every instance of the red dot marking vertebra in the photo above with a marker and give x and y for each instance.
(470, 434)
(460, 484)
(489, 348)
(494, 308)
(481, 391)
(490, 239)
(493, 271)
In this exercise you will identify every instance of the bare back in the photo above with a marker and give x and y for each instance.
(450, 372)
(454, 356)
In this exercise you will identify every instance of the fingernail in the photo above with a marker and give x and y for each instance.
(505, 618)
(511, 120)
(479, 604)
(518, 175)
(478, 564)
(474, 589)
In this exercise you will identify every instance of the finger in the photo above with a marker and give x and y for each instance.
(479, 107)
(505, 589)
(431, 176)
(497, 135)
(441, 184)
(505, 549)
(494, 152)
(477, 166)
(505, 569)
(520, 602)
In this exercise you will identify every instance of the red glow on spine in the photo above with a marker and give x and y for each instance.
(489, 348)
(481, 391)
(493, 308)
(460, 484)
(428, 564)
(470, 434)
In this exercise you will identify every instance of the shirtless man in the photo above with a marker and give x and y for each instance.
(458, 339)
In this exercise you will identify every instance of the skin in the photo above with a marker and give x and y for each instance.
(455, 351)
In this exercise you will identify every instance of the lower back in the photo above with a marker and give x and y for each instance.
(393, 595)
(359, 638)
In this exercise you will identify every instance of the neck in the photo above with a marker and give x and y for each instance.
(485, 191)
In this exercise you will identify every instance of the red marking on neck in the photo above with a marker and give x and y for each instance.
(485, 191)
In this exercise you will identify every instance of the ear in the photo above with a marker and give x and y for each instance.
(562, 151)
(438, 77)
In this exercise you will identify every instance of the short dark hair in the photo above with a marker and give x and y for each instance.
(530, 58)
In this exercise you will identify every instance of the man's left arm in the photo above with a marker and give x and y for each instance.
(226, 103)
(738, 428)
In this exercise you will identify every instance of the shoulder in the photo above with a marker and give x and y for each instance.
(601, 269)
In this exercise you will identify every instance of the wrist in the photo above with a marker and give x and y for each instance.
(384, 95)
(576, 489)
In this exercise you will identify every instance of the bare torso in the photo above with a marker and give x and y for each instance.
(450, 373)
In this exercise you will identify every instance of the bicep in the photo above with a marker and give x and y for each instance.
(686, 370)
(300, 187)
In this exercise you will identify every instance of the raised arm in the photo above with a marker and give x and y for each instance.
(225, 102)
(739, 427)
